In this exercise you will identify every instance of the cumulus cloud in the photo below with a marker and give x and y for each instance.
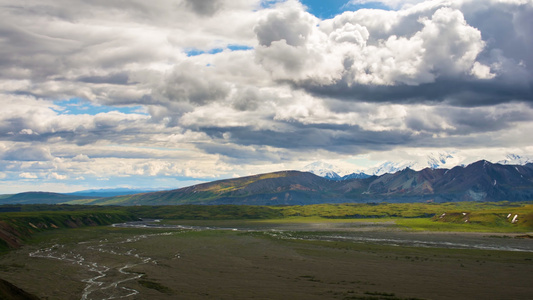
(413, 55)
(193, 84)
(444, 46)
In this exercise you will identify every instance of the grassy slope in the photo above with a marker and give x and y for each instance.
(16, 227)
(200, 194)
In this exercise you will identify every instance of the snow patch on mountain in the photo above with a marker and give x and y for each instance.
(390, 167)
(322, 169)
(514, 159)
(330, 171)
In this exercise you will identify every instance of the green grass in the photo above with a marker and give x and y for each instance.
(425, 224)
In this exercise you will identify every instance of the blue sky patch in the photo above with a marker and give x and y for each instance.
(196, 52)
(330, 8)
(369, 5)
(239, 47)
(77, 106)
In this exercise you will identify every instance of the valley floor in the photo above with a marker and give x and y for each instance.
(262, 260)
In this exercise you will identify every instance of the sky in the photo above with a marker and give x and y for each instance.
(164, 94)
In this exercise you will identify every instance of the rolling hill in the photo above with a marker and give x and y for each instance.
(39, 198)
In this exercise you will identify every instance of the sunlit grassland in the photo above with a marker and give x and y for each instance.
(461, 217)
(424, 224)
(232, 185)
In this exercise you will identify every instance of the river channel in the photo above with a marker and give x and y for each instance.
(380, 233)
(107, 261)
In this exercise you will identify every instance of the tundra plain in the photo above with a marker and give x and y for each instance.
(286, 258)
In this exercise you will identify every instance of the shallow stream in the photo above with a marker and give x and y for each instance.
(108, 261)
(380, 233)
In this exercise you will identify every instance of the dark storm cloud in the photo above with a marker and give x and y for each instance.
(335, 138)
(34, 153)
(468, 121)
(458, 92)
(204, 7)
(238, 154)
(115, 78)
(504, 26)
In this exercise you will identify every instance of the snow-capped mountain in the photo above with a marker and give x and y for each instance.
(440, 160)
(514, 159)
(334, 172)
(323, 169)
(390, 167)
(435, 161)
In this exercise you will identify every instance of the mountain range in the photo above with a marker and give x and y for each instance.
(479, 181)
(433, 161)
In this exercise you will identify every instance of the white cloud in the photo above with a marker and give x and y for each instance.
(57, 176)
(445, 45)
(27, 175)
(81, 158)
(426, 75)
(481, 71)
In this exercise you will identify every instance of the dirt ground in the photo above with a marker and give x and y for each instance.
(105, 263)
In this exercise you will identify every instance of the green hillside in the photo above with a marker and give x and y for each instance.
(263, 189)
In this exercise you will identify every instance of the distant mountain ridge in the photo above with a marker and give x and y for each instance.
(480, 181)
(433, 161)
(38, 198)
(100, 193)
(59, 198)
